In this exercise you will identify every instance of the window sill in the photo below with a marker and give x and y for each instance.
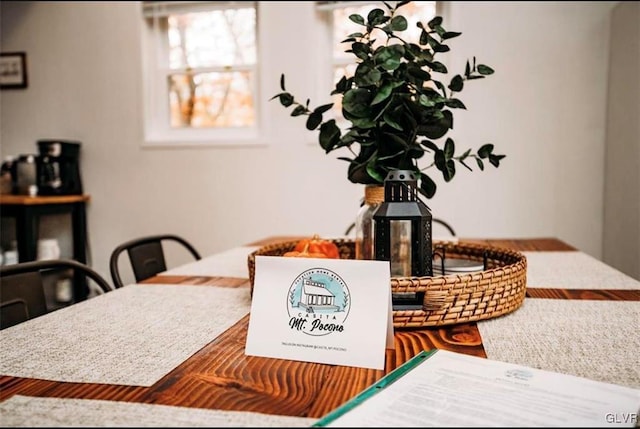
(198, 139)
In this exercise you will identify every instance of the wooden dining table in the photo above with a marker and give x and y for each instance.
(221, 376)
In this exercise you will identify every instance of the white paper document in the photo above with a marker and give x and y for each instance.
(333, 311)
(444, 388)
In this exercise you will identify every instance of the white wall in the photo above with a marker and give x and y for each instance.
(545, 108)
(622, 172)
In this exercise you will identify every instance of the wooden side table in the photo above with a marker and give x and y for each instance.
(27, 211)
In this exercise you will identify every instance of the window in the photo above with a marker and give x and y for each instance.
(200, 72)
(341, 26)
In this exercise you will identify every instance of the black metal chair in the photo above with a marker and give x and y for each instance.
(22, 294)
(146, 255)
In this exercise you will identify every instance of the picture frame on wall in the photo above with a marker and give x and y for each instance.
(13, 70)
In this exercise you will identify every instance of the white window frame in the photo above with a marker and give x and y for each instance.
(326, 8)
(157, 129)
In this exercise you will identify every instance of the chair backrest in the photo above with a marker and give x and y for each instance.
(146, 255)
(22, 294)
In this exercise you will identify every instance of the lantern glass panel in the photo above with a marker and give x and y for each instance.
(400, 258)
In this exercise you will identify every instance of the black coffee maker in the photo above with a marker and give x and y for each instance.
(59, 167)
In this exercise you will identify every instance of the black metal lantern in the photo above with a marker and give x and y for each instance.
(402, 226)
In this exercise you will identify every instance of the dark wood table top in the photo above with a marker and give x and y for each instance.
(221, 376)
(26, 200)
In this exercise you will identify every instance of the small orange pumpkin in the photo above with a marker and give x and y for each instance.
(319, 245)
(304, 253)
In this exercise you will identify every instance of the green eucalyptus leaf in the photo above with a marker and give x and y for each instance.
(314, 120)
(480, 164)
(391, 64)
(435, 96)
(366, 75)
(485, 150)
(432, 42)
(447, 167)
(429, 144)
(441, 48)
(298, 110)
(440, 160)
(357, 173)
(449, 149)
(398, 23)
(375, 17)
(424, 37)
(323, 108)
(485, 70)
(434, 22)
(437, 128)
(416, 56)
(341, 86)
(437, 66)
(427, 186)
(475, 76)
(450, 35)
(415, 152)
(455, 103)
(372, 171)
(389, 56)
(282, 82)
(358, 19)
(361, 50)
(390, 120)
(495, 159)
(465, 155)
(449, 171)
(448, 118)
(363, 123)
(356, 101)
(329, 135)
(456, 83)
(418, 73)
(383, 93)
(286, 99)
(467, 69)
(426, 101)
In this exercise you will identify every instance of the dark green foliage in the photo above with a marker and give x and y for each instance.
(396, 103)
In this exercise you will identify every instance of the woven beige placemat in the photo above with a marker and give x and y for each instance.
(131, 336)
(25, 411)
(594, 339)
(574, 270)
(230, 263)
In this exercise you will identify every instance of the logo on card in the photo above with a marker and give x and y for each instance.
(318, 302)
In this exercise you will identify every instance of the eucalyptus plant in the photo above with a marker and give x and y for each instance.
(398, 106)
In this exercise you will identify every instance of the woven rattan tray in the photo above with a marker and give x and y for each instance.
(449, 299)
